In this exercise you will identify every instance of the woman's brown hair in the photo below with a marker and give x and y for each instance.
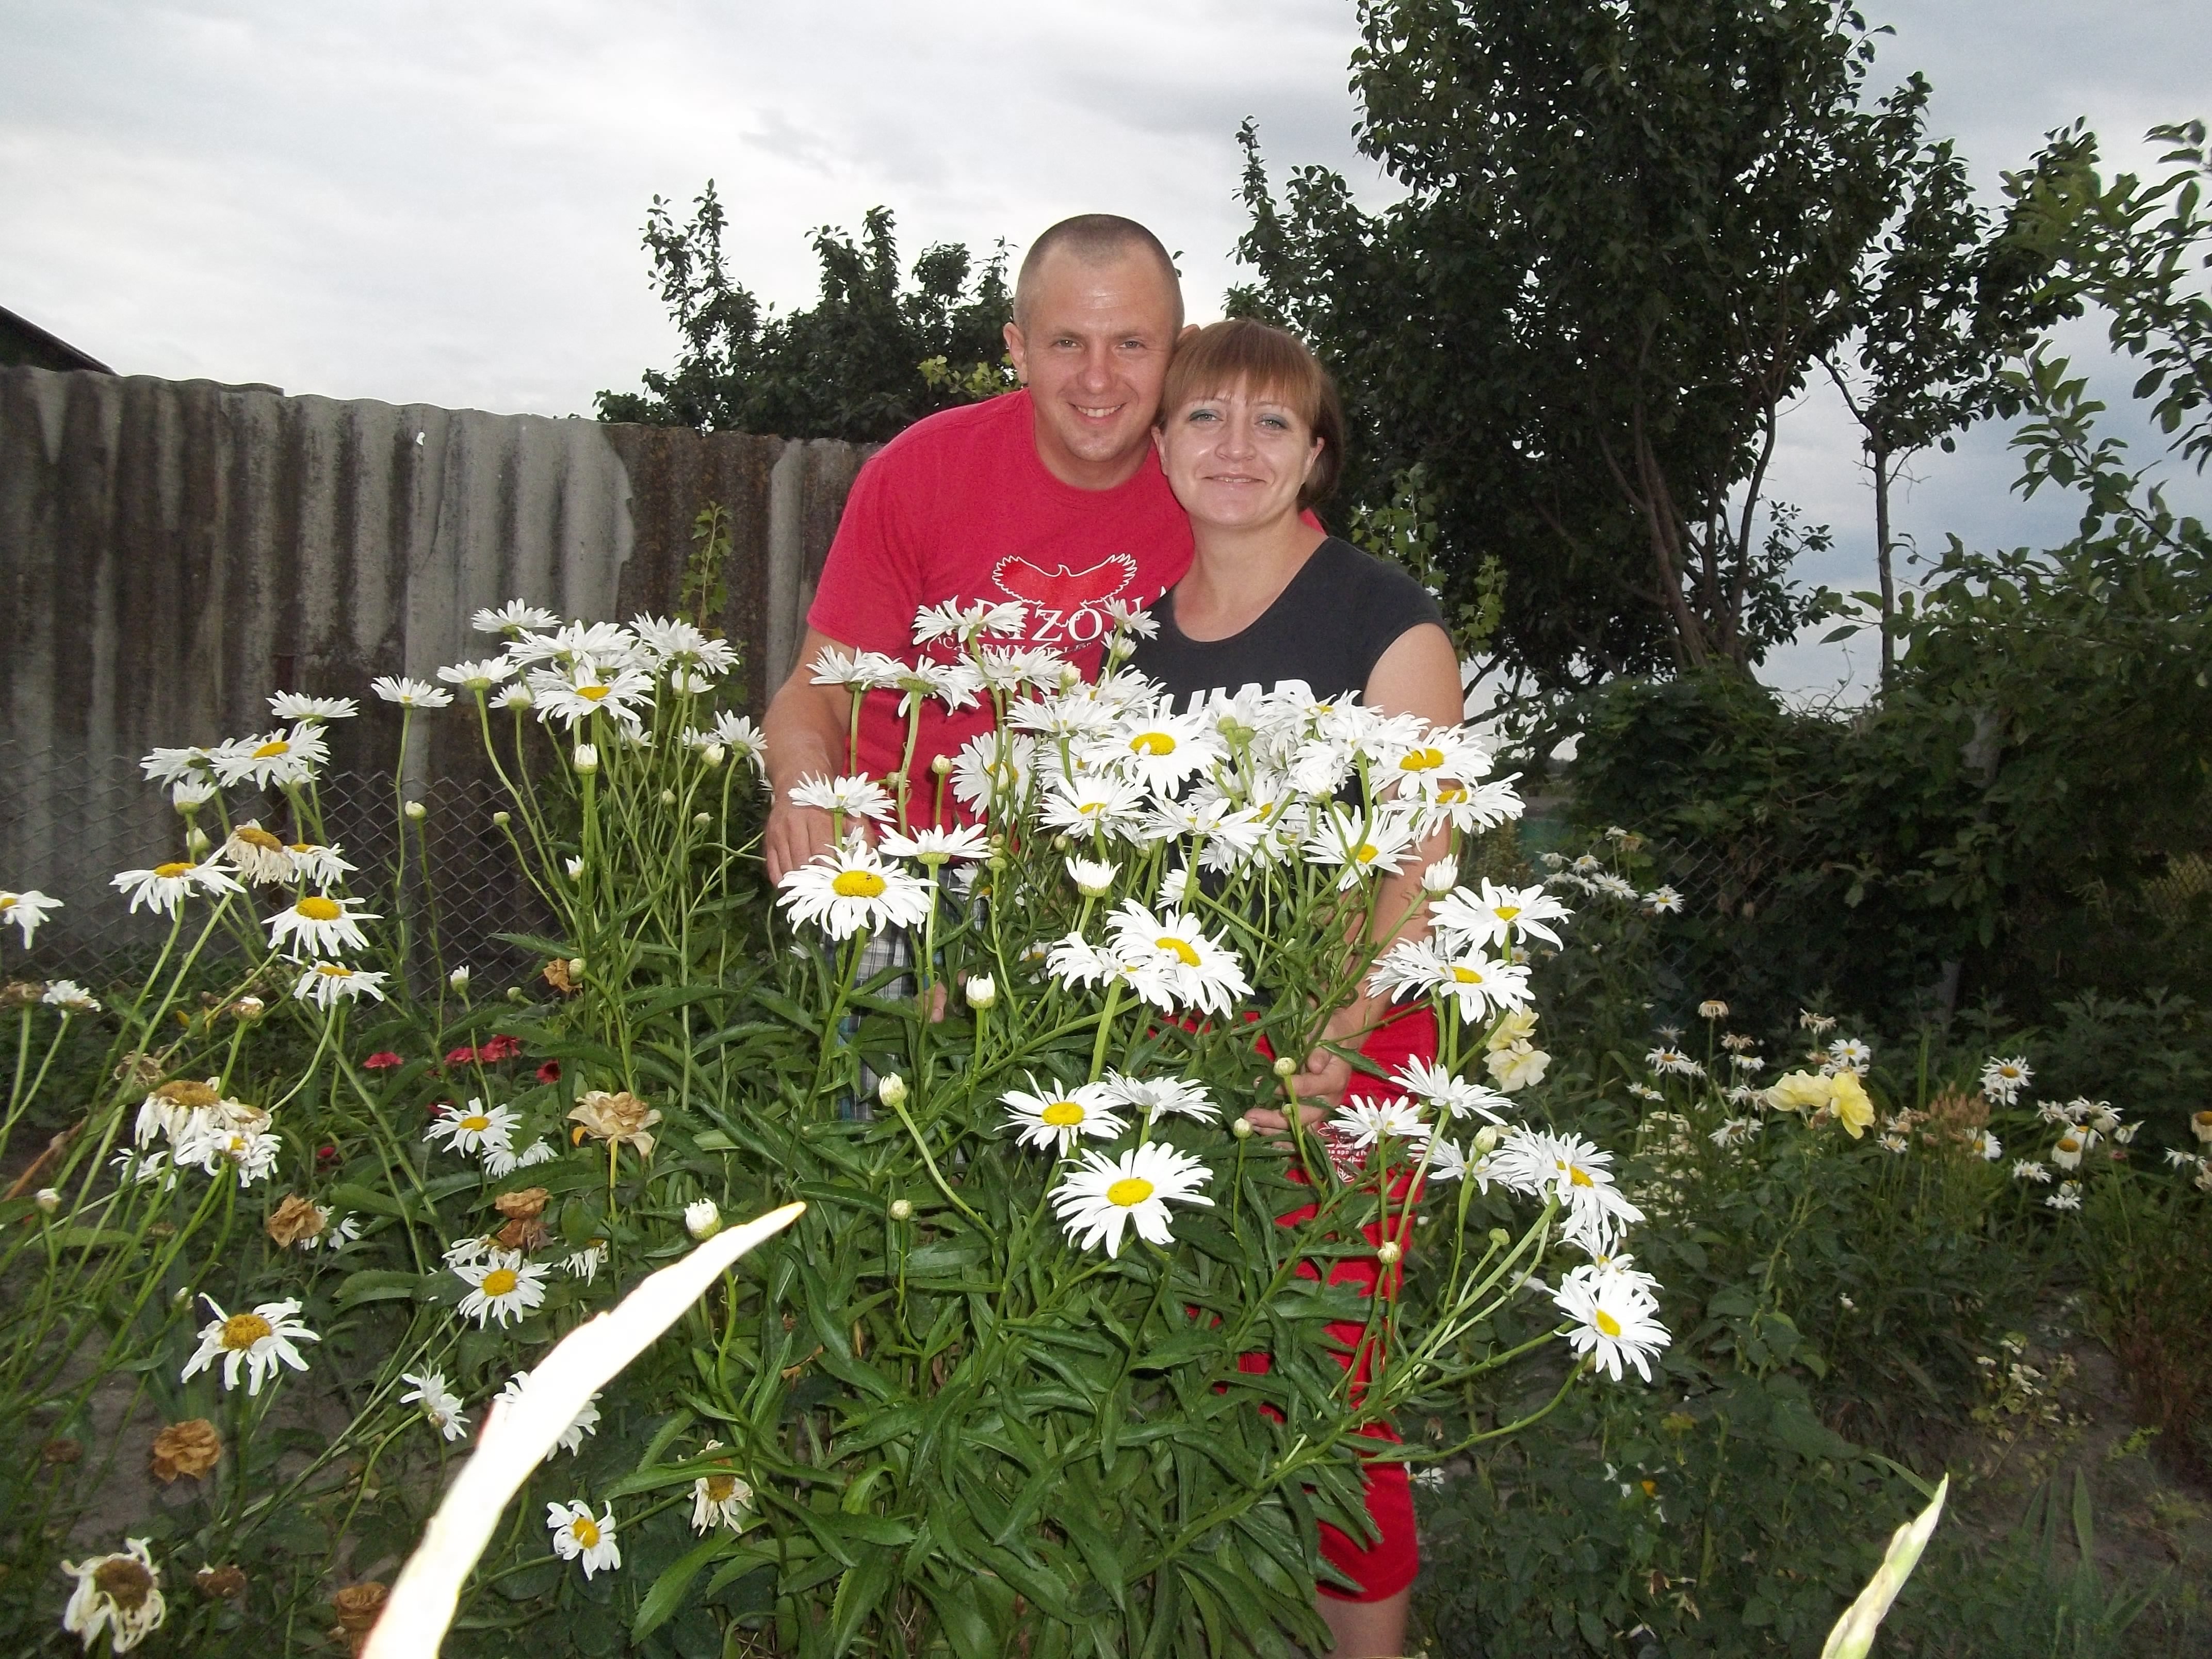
(1264, 362)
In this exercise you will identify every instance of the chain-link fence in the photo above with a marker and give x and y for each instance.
(71, 822)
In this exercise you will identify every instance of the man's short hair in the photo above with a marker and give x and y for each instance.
(1093, 238)
(1241, 354)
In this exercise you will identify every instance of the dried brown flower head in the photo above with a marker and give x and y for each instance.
(191, 1447)
(60, 1450)
(525, 1233)
(620, 1118)
(558, 976)
(522, 1205)
(294, 1220)
(186, 1096)
(20, 993)
(124, 1581)
(220, 1584)
(139, 1068)
(358, 1606)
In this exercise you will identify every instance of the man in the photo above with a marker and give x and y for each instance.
(1051, 496)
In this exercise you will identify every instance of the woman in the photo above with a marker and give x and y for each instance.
(1251, 436)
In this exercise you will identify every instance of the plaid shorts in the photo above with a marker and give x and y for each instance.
(879, 953)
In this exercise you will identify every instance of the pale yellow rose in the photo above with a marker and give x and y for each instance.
(1801, 1092)
(1518, 1026)
(1853, 1109)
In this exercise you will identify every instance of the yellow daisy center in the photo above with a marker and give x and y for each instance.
(7, 901)
(1368, 852)
(592, 693)
(1451, 792)
(1579, 1177)
(316, 908)
(1062, 1115)
(1606, 1324)
(271, 749)
(1467, 976)
(858, 884)
(1179, 949)
(302, 847)
(1129, 1192)
(331, 970)
(171, 871)
(476, 1122)
(253, 836)
(1152, 742)
(1507, 912)
(720, 1488)
(242, 1330)
(2069, 1145)
(1422, 760)
(501, 1281)
(585, 1531)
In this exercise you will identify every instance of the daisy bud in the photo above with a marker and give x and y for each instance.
(942, 765)
(902, 1210)
(247, 1008)
(891, 1089)
(1500, 1238)
(982, 991)
(702, 1220)
(575, 868)
(180, 1296)
(47, 1199)
(500, 820)
(586, 759)
(459, 979)
(1388, 1251)
(514, 994)
(668, 798)
(1440, 877)
(713, 754)
(700, 820)
(1284, 1065)
(417, 812)
(1486, 1140)
(1241, 1129)
(196, 842)
(575, 967)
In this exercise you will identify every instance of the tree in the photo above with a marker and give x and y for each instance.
(1630, 231)
(1943, 305)
(870, 358)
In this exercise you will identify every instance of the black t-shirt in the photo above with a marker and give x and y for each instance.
(1329, 627)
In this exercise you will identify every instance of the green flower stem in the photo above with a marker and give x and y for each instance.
(935, 1174)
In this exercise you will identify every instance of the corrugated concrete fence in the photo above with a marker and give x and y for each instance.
(173, 552)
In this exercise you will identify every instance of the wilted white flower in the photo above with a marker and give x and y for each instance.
(70, 997)
(120, 1594)
(2027, 1169)
(439, 1404)
(855, 796)
(1158, 1096)
(719, 1500)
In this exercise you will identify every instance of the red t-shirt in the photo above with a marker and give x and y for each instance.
(959, 507)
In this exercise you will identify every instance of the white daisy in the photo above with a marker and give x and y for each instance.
(259, 856)
(852, 889)
(1496, 916)
(1575, 1172)
(1660, 901)
(1479, 985)
(28, 910)
(411, 694)
(584, 689)
(1100, 804)
(2068, 1197)
(1158, 748)
(1095, 1201)
(681, 644)
(862, 670)
(329, 983)
(279, 758)
(479, 677)
(70, 997)
(514, 617)
(501, 1286)
(1457, 1095)
(1362, 845)
(1366, 1122)
(578, 1537)
(260, 1341)
(293, 706)
(1093, 877)
(1053, 1118)
(166, 886)
(319, 925)
(119, 1593)
(993, 769)
(1162, 1096)
(2003, 1078)
(1616, 1319)
(1173, 962)
(856, 796)
(570, 1439)
(719, 1500)
(936, 846)
(1005, 618)
(473, 1128)
(439, 1404)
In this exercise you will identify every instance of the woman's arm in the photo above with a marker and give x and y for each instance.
(1418, 675)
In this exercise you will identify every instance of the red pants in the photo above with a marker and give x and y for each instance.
(1390, 1564)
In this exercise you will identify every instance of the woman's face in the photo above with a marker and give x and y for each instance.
(1236, 460)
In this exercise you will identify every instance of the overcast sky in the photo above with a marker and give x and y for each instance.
(442, 203)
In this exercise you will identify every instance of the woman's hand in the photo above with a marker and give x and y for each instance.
(1277, 1125)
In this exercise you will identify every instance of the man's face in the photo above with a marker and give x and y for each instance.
(1093, 355)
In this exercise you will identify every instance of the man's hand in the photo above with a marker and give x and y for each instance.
(794, 835)
(1328, 1075)
(1266, 1121)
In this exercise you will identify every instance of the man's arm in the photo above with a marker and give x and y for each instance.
(806, 731)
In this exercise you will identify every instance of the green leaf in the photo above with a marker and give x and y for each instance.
(667, 1595)
(858, 1592)
(377, 1285)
